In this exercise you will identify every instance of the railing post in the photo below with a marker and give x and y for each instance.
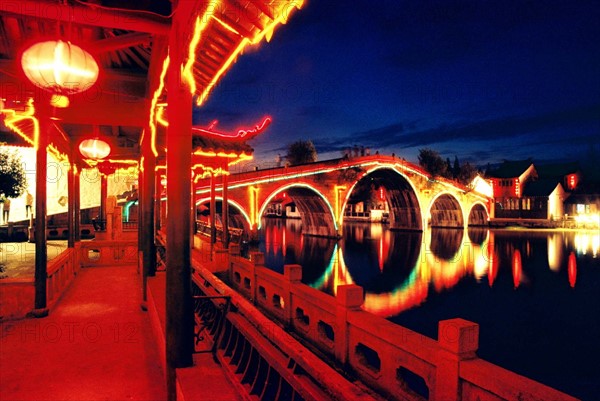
(257, 259)
(234, 250)
(292, 276)
(349, 298)
(458, 340)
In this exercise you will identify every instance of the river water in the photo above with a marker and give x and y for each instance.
(535, 294)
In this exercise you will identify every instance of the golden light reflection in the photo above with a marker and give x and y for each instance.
(586, 243)
(429, 271)
(555, 250)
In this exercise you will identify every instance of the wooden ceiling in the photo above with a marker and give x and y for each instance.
(129, 40)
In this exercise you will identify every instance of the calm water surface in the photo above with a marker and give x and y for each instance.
(535, 294)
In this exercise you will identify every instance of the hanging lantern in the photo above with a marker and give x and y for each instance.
(59, 67)
(95, 149)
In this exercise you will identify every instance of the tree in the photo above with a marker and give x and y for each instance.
(431, 161)
(456, 168)
(301, 152)
(467, 173)
(13, 180)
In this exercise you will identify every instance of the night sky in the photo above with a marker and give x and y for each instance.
(480, 80)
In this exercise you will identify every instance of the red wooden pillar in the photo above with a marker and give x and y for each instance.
(157, 200)
(225, 209)
(71, 203)
(40, 308)
(193, 210)
(103, 196)
(213, 208)
(179, 311)
(76, 203)
(148, 213)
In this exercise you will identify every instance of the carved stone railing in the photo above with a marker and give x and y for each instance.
(397, 362)
(267, 362)
(17, 294)
(108, 253)
(60, 272)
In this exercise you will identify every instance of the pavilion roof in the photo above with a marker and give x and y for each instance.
(129, 39)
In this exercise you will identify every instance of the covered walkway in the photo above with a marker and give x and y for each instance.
(97, 344)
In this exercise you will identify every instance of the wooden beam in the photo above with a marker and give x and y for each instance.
(119, 42)
(106, 110)
(88, 15)
(111, 83)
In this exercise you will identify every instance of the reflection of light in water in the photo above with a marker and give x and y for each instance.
(554, 251)
(335, 274)
(517, 267)
(380, 255)
(443, 273)
(376, 231)
(586, 242)
(283, 242)
(481, 264)
(572, 269)
(429, 268)
(492, 259)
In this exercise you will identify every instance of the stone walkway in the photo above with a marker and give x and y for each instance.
(97, 344)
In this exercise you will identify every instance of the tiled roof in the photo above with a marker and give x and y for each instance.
(511, 169)
(213, 144)
(556, 170)
(540, 188)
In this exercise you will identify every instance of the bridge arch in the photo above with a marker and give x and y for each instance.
(316, 212)
(401, 196)
(244, 221)
(478, 215)
(445, 211)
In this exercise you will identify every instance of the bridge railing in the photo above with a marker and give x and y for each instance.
(390, 358)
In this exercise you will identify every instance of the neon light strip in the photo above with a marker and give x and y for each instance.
(12, 117)
(305, 173)
(201, 24)
(241, 134)
(245, 41)
(157, 93)
(231, 202)
(295, 185)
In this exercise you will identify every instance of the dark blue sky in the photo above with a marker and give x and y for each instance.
(482, 80)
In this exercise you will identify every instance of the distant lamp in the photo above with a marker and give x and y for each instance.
(95, 149)
(59, 67)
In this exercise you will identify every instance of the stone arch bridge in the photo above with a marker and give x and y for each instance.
(321, 191)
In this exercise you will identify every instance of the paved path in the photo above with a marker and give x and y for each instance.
(97, 344)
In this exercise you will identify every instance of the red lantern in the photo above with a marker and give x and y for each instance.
(95, 149)
(59, 67)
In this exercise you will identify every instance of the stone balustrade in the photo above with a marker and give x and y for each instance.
(60, 272)
(108, 253)
(388, 357)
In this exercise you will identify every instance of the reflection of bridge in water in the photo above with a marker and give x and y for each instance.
(322, 190)
(405, 266)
